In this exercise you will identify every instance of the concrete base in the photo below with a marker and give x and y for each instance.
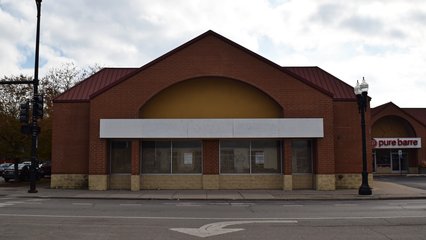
(287, 182)
(303, 181)
(325, 182)
(135, 183)
(351, 181)
(69, 181)
(171, 181)
(348, 181)
(119, 182)
(251, 181)
(98, 182)
(211, 182)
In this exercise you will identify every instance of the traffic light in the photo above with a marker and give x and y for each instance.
(38, 106)
(24, 112)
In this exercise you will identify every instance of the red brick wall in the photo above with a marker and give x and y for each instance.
(70, 138)
(212, 57)
(208, 57)
(211, 156)
(135, 157)
(286, 159)
(348, 138)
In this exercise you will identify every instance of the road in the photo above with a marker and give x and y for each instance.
(32, 218)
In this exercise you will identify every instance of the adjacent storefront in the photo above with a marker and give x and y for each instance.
(397, 140)
(395, 155)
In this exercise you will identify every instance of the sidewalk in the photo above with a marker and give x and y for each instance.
(381, 190)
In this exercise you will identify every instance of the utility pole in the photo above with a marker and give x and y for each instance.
(36, 102)
(37, 107)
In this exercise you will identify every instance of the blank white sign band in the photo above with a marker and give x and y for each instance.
(213, 128)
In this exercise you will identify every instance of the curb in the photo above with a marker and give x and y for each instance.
(353, 198)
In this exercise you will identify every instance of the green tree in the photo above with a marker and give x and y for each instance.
(14, 144)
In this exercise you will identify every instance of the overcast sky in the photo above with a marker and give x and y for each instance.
(384, 41)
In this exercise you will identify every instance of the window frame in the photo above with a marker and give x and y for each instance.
(311, 156)
(279, 157)
(171, 156)
(110, 142)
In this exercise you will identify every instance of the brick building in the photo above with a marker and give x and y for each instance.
(210, 114)
(397, 135)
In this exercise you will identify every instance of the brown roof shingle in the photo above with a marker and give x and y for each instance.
(418, 113)
(326, 81)
(108, 77)
(83, 90)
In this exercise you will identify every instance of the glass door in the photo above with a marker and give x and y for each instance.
(399, 161)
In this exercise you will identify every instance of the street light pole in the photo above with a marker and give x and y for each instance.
(35, 128)
(361, 91)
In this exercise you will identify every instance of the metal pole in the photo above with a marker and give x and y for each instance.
(35, 128)
(364, 189)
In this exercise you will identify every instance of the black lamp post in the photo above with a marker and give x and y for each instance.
(361, 91)
(34, 126)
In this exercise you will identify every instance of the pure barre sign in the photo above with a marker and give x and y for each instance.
(397, 143)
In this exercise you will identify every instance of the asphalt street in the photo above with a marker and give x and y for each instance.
(34, 218)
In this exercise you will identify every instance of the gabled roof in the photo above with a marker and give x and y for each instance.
(109, 77)
(419, 114)
(323, 79)
(82, 91)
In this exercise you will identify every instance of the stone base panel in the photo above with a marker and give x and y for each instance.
(351, 181)
(211, 182)
(303, 181)
(250, 182)
(119, 182)
(138, 182)
(287, 182)
(135, 182)
(98, 182)
(69, 181)
(348, 181)
(325, 182)
(171, 181)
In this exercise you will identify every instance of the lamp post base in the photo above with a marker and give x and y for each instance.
(364, 190)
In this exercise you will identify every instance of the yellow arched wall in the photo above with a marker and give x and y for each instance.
(211, 97)
(392, 126)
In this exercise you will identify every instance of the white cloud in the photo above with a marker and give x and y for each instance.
(381, 40)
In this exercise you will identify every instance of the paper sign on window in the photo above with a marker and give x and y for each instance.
(259, 158)
(187, 158)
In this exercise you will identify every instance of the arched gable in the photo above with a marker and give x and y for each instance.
(211, 97)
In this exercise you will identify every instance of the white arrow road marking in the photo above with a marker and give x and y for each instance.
(217, 228)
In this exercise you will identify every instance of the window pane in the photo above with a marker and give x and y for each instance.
(186, 156)
(120, 156)
(156, 157)
(234, 156)
(265, 156)
(301, 156)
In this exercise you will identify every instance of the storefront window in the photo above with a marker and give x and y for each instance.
(120, 156)
(156, 157)
(166, 157)
(234, 156)
(250, 156)
(186, 157)
(301, 152)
